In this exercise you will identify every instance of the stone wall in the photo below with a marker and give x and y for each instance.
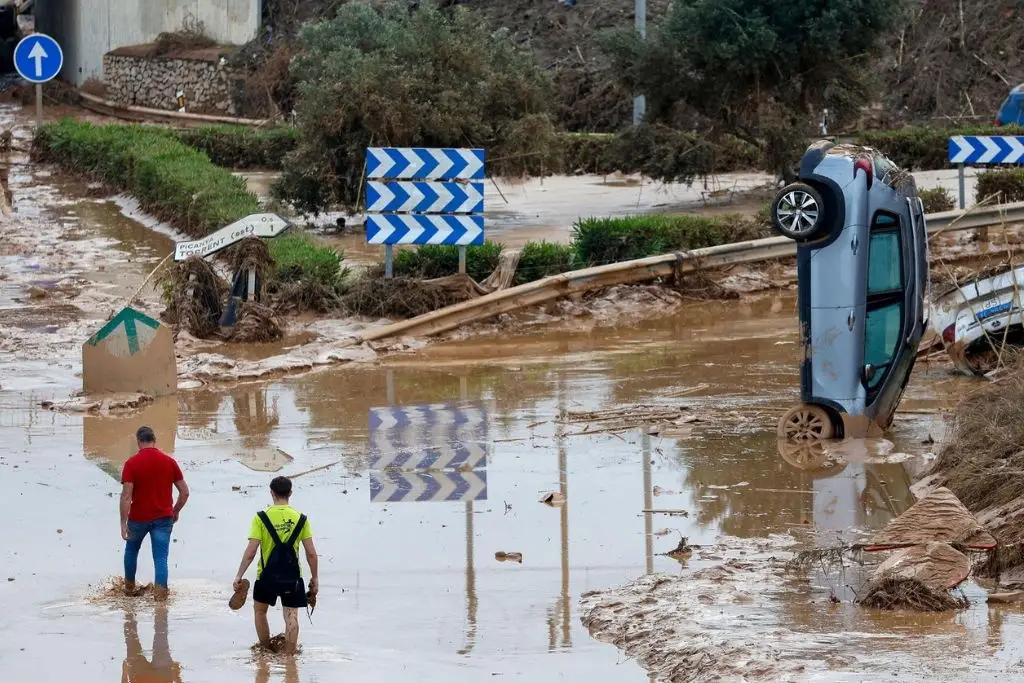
(154, 81)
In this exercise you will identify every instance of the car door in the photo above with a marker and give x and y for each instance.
(885, 304)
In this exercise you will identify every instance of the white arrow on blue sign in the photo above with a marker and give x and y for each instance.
(424, 197)
(986, 149)
(406, 487)
(38, 58)
(423, 163)
(424, 229)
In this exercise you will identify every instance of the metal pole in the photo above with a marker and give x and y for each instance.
(39, 100)
(251, 293)
(639, 102)
(648, 505)
(388, 258)
(462, 260)
(963, 193)
(563, 487)
(389, 385)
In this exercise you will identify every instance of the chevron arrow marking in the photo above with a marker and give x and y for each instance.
(991, 150)
(424, 229)
(410, 163)
(959, 149)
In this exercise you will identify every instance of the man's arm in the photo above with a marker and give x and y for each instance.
(247, 557)
(126, 507)
(182, 497)
(313, 562)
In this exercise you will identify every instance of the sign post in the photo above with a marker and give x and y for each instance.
(983, 150)
(421, 196)
(38, 59)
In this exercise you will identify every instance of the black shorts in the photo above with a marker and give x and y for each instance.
(269, 593)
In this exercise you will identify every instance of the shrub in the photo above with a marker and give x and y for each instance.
(597, 241)
(937, 199)
(298, 257)
(540, 259)
(383, 75)
(434, 261)
(1008, 183)
(241, 147)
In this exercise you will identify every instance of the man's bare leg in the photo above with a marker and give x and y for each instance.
(262, 625)
(291, 630)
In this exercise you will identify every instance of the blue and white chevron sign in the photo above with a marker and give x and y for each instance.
(424, 197)
(428, 437)
(405, 487)
(411, 228)
(422, 163)
(986, 149)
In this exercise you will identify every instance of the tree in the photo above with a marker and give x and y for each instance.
(760, 70)
(391, 77)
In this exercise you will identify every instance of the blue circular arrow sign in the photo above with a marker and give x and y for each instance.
(38, 58)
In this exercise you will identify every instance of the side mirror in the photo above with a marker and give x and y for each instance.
(869, 372)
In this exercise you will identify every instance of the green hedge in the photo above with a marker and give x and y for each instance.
(241, 147)
(924, 149)
(434, 261)
(597, 241)
(1009, 183)
(540, 259)
(174, 182)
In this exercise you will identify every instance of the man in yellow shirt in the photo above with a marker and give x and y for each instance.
(275, 534)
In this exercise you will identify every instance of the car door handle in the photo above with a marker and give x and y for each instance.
(850, 320)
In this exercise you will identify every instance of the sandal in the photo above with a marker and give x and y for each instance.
(239, 596)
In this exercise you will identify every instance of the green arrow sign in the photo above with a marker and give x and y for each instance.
(129, 318)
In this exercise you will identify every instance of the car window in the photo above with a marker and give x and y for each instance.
(885, 263)
(881, 336)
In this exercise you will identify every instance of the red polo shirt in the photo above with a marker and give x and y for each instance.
(153, 474)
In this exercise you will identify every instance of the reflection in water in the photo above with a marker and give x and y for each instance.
(109, 440)
(264, 670)
(255, 418)
(160, 668)
(471, 602)
(563, 608)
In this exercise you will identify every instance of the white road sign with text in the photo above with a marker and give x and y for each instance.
(256, 225)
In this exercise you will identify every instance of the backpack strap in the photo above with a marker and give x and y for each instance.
(270, 527)
(297, 530)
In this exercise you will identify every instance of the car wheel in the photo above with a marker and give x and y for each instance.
(806, 423)
(798, 212)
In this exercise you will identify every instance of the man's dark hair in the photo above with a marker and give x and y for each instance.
(282, 487)
(145, 435)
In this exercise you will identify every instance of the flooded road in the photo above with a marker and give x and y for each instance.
(412, 590)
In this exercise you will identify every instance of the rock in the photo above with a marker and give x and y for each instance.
(35, 292)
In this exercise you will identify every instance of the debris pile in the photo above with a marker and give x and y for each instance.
(615, 420)
(897, 592)
(195, 293)
(400, 297)
(982, 463)
(256, 324)
(253, 254)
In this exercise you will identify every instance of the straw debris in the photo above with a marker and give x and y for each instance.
(198, 313)
(252, 253)
(896, 592)
(256, 324)
(399, 297)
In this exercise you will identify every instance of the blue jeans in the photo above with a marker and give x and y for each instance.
(159, 531)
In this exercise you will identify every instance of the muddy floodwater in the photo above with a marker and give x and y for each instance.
(415, 589)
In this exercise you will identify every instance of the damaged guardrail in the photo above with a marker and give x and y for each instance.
(651, 268)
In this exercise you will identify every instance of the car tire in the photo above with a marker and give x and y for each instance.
(806, 422)
(798, 212)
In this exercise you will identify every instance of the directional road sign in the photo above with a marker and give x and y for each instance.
(428, 437)
(424, 229)
(393, 486)
(38, 58)
(986, 149)
(126, 333)
(425, 197)
(420, 163)
(256, 225)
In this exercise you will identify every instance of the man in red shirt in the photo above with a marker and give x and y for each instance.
(146, 483)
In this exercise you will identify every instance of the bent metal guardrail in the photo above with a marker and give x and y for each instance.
(651, 268)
